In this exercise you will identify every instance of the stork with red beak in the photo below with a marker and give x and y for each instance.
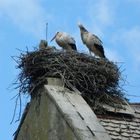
(65, 41)
(93, 43)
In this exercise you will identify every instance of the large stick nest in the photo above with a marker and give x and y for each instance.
(96, 78)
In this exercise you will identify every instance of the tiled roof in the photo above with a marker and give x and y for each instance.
(122, 126)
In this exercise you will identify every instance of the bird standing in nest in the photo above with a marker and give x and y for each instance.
(43, 44)
(93, 43)
(65, 41)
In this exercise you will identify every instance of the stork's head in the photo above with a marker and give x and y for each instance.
(82, 28)
(54, 36)
(80, 25)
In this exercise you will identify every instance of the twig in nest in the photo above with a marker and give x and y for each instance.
(97, 79)
(18, 97)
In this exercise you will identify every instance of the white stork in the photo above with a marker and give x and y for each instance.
(65, 41)
(43, 44)
(93, 43)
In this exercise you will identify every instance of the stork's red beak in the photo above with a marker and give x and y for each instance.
(54, 37)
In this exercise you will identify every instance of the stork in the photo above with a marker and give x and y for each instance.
(93, 43)
(65, 41)
(43, 44)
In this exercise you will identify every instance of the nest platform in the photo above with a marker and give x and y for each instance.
(97, 79)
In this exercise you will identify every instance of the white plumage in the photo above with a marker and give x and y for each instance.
(65, 41)
(93, 43)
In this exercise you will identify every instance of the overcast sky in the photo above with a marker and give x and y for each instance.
(22, 23)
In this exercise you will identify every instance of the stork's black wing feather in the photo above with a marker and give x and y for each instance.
(73, 46)
(97, 38)
(101, 49)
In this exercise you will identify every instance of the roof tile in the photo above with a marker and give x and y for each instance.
(123, 128)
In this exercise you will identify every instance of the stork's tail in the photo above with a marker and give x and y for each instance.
(104, 57)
